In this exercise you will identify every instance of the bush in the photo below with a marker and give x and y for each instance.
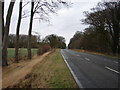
(43, 48)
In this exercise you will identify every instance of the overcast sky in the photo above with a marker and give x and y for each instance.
(65, 23)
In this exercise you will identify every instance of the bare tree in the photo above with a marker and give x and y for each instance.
(2, 20)
(41, 8)
(30, 30)
(114, 11)
(6, 33)
(38, 36)
(105, 18)
(0, 34)
(17, 32)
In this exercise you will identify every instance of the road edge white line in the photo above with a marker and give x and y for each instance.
(76, 79)
(112, 69)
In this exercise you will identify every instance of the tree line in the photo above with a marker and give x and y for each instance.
(22, 41)
(53, 40)
(103, 33)
(40, 8)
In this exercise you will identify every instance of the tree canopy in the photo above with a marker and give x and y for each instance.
(55, 41)
(103, 33)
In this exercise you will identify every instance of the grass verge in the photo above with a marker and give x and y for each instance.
(52, 72)
(97, 53)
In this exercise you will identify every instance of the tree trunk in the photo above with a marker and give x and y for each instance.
(0, 34)
(116, 38)
(2, 20)
(30, 30)
(116, 29)
(6, 33)
(17, 32)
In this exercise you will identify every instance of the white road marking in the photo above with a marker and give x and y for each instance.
(112, 70)
(75, 77)
(115, 62)
(78, 55)
(87, 59)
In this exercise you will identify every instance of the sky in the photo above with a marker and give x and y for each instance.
(65, 23)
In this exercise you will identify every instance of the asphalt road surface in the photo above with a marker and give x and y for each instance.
(92, 71)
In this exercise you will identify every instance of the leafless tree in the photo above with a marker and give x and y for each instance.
(42, 8)
(6, 33)
(17, 32)
(30, 30)
(2, 20)
(0, 34)
(105, 17)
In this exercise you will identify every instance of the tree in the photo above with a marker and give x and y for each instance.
(0, 34)
(30, 30)
(91, 39)
(105, 17)
(114, 11)
(6, 29)
(2, 20)
(61, 42)
(38, 36)
(55, 41)
(42, 8)
(52, 40)
(17, 32)
(22, 41)
(34, 41)
(11, 41)
(75, 41)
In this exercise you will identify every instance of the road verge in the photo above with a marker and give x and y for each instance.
(51, 72)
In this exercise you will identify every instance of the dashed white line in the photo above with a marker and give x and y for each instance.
(115, 62)
(78, 55)
(112, 70)
(87, 59)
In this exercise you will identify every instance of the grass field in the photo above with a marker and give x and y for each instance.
(52, 72)
(22, 52)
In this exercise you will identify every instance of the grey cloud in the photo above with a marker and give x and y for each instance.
(65, 23)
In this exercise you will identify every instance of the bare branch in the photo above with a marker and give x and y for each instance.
(25, 16)
(25, 4)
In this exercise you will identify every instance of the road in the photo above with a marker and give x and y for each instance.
(92, 71)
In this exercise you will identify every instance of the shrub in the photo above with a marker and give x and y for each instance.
(43, 48)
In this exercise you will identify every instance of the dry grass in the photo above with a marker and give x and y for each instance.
(0, 77)
(97, 53)
(52, 72)
(16, 71)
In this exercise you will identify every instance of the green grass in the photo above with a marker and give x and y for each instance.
(22, 52)
(52, 72)
(62, 77)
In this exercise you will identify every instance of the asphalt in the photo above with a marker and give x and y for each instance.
(93, 71)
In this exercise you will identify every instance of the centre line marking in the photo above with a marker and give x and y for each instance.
(115, 62)
(112, 70)
(87, 59)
